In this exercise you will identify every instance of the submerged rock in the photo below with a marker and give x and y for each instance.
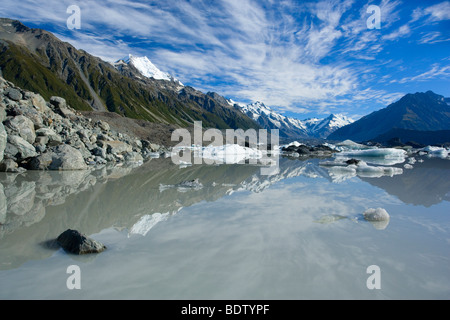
(74, 242)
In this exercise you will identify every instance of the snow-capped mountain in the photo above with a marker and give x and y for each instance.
(146, 68)
(291, 127)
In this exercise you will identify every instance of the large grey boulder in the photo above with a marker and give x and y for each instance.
(19, 148)
(118, 147)
(2, 112)
(61, 107)
(62, 157)
(3, 139)
(9, 165)
(14, 94)
(53, 138)
(39, 103)
(23, 127)
(73, 241)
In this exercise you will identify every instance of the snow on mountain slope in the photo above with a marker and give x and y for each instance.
(310, 128)
(147, 68)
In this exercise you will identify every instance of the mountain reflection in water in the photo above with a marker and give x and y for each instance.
(36, 207)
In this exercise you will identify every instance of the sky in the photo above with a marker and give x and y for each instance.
(301, 58)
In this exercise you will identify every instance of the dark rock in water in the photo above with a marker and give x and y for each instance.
(352, 161)
(74, 242)
(323, 148)
(303, 150)
(290, 149)
(415, 145)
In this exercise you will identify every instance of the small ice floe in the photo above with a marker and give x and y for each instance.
(408, 166)
(351, 145)
(378, 217)
(384, 156)
(435, 152)
(344, 169)
(183, 186)
(386, 153)
(230, 154)
(412, 160)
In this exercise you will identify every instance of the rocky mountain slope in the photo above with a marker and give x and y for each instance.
(37, 61)
(419, 112)
(50, 135)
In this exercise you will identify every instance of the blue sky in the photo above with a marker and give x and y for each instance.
(302, 58)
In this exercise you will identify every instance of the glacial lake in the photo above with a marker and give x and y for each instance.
(298, 234)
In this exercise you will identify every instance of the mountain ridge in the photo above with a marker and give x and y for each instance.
(421, 111)
(291, 127)
(38, 61)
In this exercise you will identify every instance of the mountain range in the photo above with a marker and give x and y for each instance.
(37, 61)
(423, 117)
(134, 87)
(290, 127)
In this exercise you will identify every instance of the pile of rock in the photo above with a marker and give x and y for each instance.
(40, 135)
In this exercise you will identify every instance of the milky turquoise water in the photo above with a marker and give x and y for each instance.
(299, 234)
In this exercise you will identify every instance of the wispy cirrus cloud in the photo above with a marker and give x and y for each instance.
(313, 56)
(435, 72)
(436, 12)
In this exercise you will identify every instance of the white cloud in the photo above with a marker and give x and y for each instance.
(437, 12)
(403, 31)
(433, 37)
(297, 56)
(434, 72)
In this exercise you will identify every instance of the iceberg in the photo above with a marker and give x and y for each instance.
(436, 152)
(230, 154)
(341, 171)
(378, 217)
(386, 153)
(351, 145)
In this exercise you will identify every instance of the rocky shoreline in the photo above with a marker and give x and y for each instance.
(49, 135)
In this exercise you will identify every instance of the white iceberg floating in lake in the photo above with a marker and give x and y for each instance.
(379, 214)
(351, 145)
(230, 154)
(365, 171)
(436, 152)
(386, 153)
(383, 156)
(341, 171)
(378, 217)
